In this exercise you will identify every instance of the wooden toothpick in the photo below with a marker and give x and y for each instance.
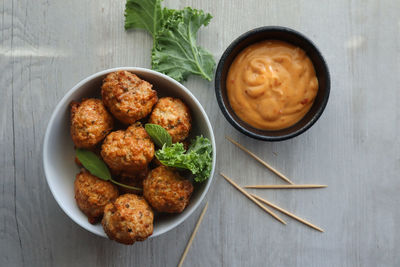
(280, 175)
(196, 228)
(286, 186)
(253, 199)
(288, 213)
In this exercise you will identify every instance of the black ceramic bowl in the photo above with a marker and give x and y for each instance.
(273, 33)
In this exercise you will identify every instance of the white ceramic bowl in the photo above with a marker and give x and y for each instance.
(58, 148)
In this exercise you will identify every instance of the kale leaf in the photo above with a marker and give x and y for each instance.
(175, 51)
(197, 159)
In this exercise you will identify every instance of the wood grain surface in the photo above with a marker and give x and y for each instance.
(46, 47)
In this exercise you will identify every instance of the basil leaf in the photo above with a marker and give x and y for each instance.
(93, 164)
(159, 135)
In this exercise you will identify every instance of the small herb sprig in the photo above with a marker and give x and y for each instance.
(197, 159)
(158, 134)
(97, 167)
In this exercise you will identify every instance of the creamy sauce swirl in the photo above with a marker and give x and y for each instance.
(271, 85)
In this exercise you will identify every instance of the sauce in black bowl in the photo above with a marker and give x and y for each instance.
(289, 36)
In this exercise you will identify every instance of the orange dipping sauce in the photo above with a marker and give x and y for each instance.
(271, 85)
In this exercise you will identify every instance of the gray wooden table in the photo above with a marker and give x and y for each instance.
(46, 47)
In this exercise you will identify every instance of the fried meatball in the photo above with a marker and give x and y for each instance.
(132, 179)
(93, 194)
(90, 122)
(128, 219)
(129, 151)
(140, 175)
(174, 116)
(166, 190)
(128, 97)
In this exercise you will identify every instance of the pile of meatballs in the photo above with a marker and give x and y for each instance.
(112, 128)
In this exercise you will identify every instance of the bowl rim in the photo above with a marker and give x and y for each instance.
(62, 103)
(218, 90)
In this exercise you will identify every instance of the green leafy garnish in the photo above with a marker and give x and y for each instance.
(97, 167)
(175, 51)
(197, 159)
(144, 14)
(158, 134)
(93, 164)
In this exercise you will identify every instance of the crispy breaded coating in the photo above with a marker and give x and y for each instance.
(128, 97)
(174, 116)
(128, 219)
(90, 122)
(93, 194)
(166, 190)
(129, 151)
